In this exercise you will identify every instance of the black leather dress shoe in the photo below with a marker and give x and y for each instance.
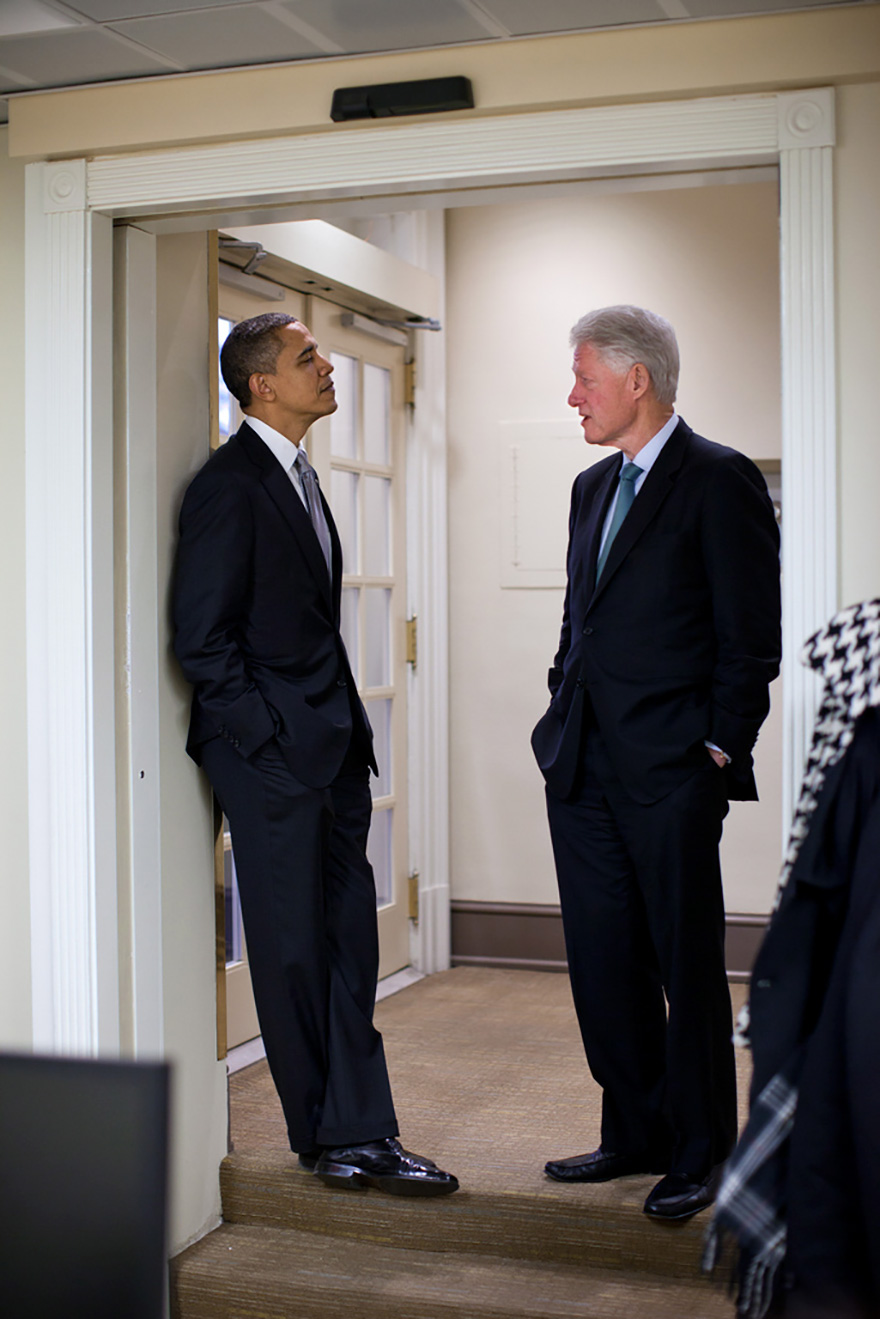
(308, 1161)
(386, 1165)
(680, 1196)
(599, 1166)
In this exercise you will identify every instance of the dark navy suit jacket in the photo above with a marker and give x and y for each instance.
(257, 620)
(677, 643)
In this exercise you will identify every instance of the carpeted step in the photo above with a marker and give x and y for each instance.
(490, 1080)
(241, 1272)
(600, 1226)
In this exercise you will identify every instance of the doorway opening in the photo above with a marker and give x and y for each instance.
(359, 454)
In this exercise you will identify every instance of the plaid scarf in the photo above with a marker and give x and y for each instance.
(751, 1204)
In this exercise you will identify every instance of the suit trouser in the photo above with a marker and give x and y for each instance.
(643, 914)
(308, 902)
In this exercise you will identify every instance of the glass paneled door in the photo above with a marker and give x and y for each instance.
(359, 456)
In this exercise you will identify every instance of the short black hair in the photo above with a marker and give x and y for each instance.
(252, 346)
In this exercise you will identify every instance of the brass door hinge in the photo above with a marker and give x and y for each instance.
(412, 642)
(413, 912)
(409, 383)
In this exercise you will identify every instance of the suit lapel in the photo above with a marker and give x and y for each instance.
(278, 486)
(595, 520)
(657, 486)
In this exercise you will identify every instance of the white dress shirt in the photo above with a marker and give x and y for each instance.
(645, 459)
(284, 450)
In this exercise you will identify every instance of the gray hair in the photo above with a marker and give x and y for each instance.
(626, 335)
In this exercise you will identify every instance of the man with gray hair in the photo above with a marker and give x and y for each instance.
(670, 639)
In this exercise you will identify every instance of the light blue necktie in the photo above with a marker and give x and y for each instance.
(626, 493)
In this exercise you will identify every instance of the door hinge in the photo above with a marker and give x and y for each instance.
(414, 898)
(412, 642)
(409, 383)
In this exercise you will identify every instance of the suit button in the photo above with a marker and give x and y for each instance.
(340, 682)
(235, 742)
(580, 683)
(588, 631)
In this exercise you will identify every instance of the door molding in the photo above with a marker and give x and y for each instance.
(69, 208)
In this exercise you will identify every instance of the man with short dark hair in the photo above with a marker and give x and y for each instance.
(280, 729)
(670, 639)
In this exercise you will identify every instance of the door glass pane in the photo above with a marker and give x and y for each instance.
(379, 714)
(377, 636)
(344, 503)
(226, 412)
(349, 627)
(377, 526)
(343, 423)
(232, 904)
(377, 414)
(380, 855)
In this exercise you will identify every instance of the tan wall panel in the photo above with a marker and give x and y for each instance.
(773, 51)
(857, 176)
(199, 1090)
(15, 969)
(519, 276)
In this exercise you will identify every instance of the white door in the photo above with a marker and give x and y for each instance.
(359, 456)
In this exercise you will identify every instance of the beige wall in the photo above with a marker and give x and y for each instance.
(15, 972)
(857, 172)
(519, 276)
(199, 1128)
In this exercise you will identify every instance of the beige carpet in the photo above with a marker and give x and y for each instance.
(488, 1073)
(489, 1079)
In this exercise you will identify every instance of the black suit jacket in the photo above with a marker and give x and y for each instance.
(257, 620)
(815, 1015)
(678, 642)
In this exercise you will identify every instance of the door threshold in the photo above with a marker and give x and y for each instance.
(402, 979)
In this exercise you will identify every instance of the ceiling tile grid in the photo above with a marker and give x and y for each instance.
(391, 24)
(72, 56)
(206, 39)
(527, 18)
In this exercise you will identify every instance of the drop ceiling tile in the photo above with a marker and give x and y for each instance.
(363, 25)
(23, 17)
(204, 39)
(529, 18)
(62, 59)
(108, 11)
(735, 8)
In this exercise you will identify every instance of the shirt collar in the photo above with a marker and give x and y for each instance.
(646, 457)
(283, 448)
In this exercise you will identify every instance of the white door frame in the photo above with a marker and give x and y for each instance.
(69, 208)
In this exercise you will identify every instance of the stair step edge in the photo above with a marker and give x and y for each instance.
(242, 1272)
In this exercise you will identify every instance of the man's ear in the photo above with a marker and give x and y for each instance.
(641, 380)
(261, 388)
